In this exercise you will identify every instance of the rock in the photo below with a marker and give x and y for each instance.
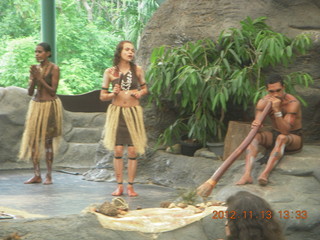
(108, 209)
(175, 149)
(120, 203)
(165, 204)
(204, 152)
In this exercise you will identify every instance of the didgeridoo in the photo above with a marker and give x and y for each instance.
(206, 188)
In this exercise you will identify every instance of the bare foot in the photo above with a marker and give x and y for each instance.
(244, 180)
(118, 191)
(48, 180)
(131, 192)
(35, 179)
(263, 180)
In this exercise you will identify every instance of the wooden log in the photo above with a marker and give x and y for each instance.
(237, 131)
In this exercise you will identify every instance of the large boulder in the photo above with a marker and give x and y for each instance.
(13, 108)
(206, 19)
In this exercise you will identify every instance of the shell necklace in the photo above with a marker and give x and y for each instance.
(126, 82)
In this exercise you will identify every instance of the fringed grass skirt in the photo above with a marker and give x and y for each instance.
(116, 129)
(43, 121)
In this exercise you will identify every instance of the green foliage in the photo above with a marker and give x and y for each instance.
(203, 78)
(87, 34)
(84, 51)
(19, 18)
(77, 78)
(133, 16)
(15, 62)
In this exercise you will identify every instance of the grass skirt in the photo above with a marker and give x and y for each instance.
(43, 121)
(133, 117)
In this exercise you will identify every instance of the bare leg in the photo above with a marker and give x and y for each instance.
(118, 169)
(49, 161)
(37, 175)
(251, 155)
(132, 169)
(275, 156)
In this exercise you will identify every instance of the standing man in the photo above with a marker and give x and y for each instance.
(286, 135)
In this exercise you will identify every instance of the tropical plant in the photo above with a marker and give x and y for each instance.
(202, 79)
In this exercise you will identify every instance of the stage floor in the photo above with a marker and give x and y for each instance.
(69, 194)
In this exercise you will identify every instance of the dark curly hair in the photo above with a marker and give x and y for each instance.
(274, 78)
(46, 47)
(117, 56)
(255, 226)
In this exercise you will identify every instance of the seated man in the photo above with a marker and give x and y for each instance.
(286, 134)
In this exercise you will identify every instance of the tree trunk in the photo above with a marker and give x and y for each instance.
(88, 9)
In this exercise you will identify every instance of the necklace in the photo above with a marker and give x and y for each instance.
(126, 82)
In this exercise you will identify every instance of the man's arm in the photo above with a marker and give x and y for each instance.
(259, 109)
(286, 123)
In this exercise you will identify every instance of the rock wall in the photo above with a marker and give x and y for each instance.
(179, 21)
(81, 133)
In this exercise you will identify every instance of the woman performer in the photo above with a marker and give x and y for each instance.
(124, 121)
(44, 117)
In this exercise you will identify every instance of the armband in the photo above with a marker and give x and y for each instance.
(107, 89)
(278, 114)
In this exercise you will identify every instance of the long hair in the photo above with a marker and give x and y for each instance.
(117, 56)
(253, 220)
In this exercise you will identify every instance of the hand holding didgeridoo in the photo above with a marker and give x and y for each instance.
(206, 188)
